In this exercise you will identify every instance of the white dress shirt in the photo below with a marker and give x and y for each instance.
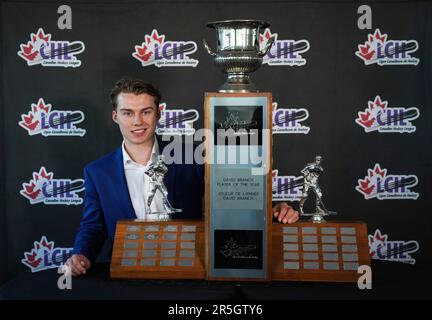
(139, 183)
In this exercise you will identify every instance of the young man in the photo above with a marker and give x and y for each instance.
(116, 186)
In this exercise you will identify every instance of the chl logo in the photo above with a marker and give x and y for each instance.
(44, 188)
(43, 120)
(283, 52)
(379, 117)
(48, 53)
(286, 188)
(45, 256)
(381, 248)
(378, 49)
(378, 184)
(156, 51)
(176, 122)
(289, 120)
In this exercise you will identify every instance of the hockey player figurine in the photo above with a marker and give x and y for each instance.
(311, 172)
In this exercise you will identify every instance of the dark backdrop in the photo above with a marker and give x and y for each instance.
(333, 86)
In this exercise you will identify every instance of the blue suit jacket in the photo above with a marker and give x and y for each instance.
(107, 198)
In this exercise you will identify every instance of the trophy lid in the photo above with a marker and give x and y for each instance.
(238, 23)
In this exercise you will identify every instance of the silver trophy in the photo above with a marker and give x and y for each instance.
(238, 52)
(311, 172)
(156, 172)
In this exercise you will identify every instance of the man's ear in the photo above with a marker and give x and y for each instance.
(114, 116)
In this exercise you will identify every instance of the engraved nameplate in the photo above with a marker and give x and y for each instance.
(188, 228)
(132, 236)
(133, 229)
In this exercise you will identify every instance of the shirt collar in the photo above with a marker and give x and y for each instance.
(128, 160)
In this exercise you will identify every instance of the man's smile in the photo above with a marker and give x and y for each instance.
(139, 132)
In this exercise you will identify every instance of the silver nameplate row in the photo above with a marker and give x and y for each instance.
(132, 236)
(154, 228)
(291, 256)
(310, 256)
(188, 245)
(186, 263)
(290, 230)
(346, 239)
(290, 239)
(167, 262)
(329, 248)
(349, 248)
(350, 257)
(133, 229)
(188, 228)
(149, 253)
(170, 229)
(310, 247)
(151, 236)
(291, 265)
(130, 254)
(309, 230)
(188, 236)
(187, 253)
(168, 253)
(328, 239)
(130, 245)
(328, 230)
(310, 265)
(330, 265)
(128, 262)
(350, 266)
(169, 245)
(310, 239)
(148, 262)
(169, 236)
(149, 245)
(330, 257)
(348, 231)
(290, 247)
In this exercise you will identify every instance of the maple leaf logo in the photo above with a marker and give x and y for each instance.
(34, 258)
(367, 118)
(376, 241)
(33, 189)
(154, 38)
(30, 51)
(142, 53)
(31, 120)
(367, 51)
(146, 50)
(265, 37)
(368, 185)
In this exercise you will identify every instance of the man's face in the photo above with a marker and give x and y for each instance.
(136, 116)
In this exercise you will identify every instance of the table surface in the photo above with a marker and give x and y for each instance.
(390, 281)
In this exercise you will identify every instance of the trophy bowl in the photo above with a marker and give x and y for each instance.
(238, 52)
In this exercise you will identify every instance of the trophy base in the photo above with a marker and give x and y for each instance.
(158, 250)
(238, 84)
(329, 252)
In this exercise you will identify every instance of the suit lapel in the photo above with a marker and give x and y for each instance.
(122, 189)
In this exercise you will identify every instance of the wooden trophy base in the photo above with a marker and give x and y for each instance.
(158, 250)
(329, 251)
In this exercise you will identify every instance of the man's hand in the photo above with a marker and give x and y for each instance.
(284, 213)
(78, 264)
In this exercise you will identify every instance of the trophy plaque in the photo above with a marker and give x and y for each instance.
(158, 250)
(238, 185)
(329, 251)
